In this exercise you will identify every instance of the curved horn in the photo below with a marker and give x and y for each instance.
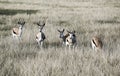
(21, 21)
(63, 30)
(74, 31)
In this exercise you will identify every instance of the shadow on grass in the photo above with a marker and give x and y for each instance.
(16, 11)
(107, 21)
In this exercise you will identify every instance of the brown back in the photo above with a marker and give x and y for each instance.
(97, 41)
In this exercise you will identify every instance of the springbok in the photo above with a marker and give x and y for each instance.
(40, 37)
(96, 43)
(17, 32)
(71, 39)
(62, 36)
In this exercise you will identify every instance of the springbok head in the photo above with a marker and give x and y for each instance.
(61, 33)
(72, 35)
(71, 39)
(17, 31)
(41, 25)
(21, 22)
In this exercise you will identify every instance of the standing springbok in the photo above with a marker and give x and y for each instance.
(96, 43)
(17, 32)
(62, 36)
(40, 37)
(71, 39)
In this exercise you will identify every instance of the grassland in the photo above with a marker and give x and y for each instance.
(86, 17)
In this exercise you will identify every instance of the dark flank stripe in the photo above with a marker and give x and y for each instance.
(43, 36)
(14, 32)
(94, 42)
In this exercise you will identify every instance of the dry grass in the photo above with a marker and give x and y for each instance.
(86, 17)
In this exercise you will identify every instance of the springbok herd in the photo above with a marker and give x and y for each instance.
(68, 39)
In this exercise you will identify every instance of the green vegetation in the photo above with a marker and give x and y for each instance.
(14, 12)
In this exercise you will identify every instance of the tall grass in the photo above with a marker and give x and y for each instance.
(26, 59)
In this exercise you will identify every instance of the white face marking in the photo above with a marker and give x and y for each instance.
(72, 36)
(61, 35)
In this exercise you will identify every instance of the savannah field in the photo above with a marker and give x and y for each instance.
(86, 17)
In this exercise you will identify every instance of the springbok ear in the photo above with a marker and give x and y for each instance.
(68, 31)
(63, 30)
(58, 30)
(19, 22)
(23, 23)
(43, 24)
(74, 31)
(38, 24)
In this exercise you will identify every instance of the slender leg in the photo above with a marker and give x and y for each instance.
(41, 43)
(74, 46)
(20, 40)
(69, 47)
(38, 44)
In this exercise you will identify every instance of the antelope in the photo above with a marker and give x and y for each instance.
(71, 39)
(62, 36)
(17, 32)
(40, 37)
(96, 43)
